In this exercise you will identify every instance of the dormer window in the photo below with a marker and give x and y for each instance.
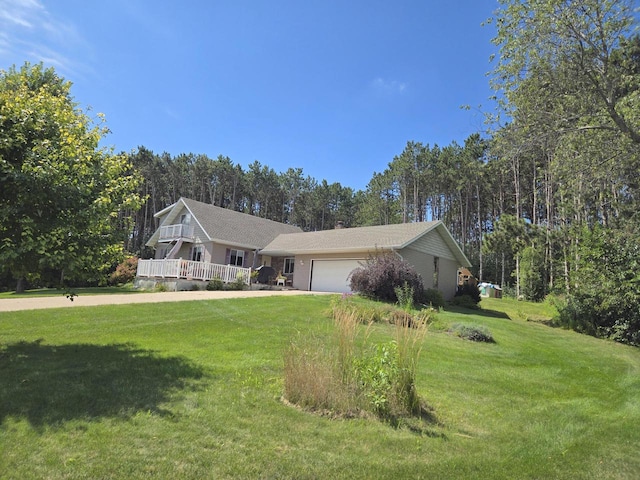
(185, 218)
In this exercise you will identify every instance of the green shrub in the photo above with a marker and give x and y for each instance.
(433, 297)
(471, 291)
(160, 287)
(475, 333)
(377, 374)
(237, 284)
(509, 291)
(464, 301)
(215, 284)
(604, 301)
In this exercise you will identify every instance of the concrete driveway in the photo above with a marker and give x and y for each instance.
(37, 303)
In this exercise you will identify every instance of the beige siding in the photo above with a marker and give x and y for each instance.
(448, 278)
(208, 252)
(213, 252)
(424, 265)
(432, 243)
(302, 272)
(422, 262)
(219, 254)
(200, 236)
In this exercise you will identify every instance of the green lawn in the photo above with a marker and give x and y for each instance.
(192, 390)
(57, 292)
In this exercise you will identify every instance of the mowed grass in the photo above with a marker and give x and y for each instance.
(193, 390)
(57, 292)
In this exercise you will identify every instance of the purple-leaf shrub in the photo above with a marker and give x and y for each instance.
(382, 274)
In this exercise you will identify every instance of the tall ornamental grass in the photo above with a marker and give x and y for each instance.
(347, 374)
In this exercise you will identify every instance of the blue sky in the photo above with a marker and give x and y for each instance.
(336, 88)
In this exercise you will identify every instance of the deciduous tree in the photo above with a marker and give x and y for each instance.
(60, 193)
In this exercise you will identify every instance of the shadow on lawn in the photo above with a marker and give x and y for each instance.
(483, 312)
(52, 384)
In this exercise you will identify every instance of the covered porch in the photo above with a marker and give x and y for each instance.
(190, 270)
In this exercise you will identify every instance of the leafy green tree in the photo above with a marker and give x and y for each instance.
(568, 82)
(60, 193)
(570, 49)
(604, 301)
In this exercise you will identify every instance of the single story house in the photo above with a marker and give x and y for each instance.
(198, 233)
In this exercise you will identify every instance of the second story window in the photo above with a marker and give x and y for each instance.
(185, 218)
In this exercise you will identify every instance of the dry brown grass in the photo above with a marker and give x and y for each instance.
(315, 376)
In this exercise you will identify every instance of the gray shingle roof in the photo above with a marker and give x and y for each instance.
(360, 239)
(222, 225)
(228, 226)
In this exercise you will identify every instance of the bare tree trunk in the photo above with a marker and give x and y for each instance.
(518, 276)
(479, 234)
(548, 178)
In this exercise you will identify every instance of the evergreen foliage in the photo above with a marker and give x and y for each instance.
(215, 284)
(472, 292)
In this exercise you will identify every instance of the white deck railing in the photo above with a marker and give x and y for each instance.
(188, 270)
(174, 232)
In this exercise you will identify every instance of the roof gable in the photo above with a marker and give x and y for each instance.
(225, 226)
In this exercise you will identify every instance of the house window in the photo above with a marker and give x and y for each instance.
(196, 253)
(185, 218)
(237, 258)
(288, 266)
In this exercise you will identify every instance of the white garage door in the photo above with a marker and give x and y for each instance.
(332, 275)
